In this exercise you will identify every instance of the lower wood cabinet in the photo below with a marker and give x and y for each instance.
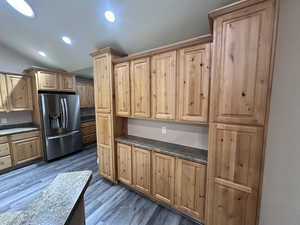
(190, 188)
(88, 132)
(5, 157)
(106, 162)
(141, 170)
(163, 173)
(124, 163)
(173, 181)
(26, 150)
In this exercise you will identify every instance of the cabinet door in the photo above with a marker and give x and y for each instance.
(103, 82)
(140, 87)
(141, 170)
(163, 76)
(122, 89)
(194, 69)
(241, 71)
(82, 90)
(105, 161)
(47, 81)
(26, 150)
(67, 82)
(190, 188)
(104, 123)
(235, 158)
(91, 95)
(163, 177)
(19, 92)
(124, 163)
(3, 94)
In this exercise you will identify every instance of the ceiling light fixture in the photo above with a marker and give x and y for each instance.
(109, 15)
(67, 40)
(22, 7)
(42, 53)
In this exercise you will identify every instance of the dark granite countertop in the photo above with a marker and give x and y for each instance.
(194, 154)
(17, 128)
(54, 204)
(88, 118)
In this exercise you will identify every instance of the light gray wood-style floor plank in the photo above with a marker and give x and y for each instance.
(105, 204)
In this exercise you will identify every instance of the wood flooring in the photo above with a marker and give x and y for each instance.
(105, 204)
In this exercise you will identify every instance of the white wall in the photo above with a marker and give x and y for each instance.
(178, 133)
(281, 185)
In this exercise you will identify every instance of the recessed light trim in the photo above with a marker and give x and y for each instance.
(109, 15)
(22, 7)
(67, 40)
(42, 53)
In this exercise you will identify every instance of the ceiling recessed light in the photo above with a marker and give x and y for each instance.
(67, 40)
(42, 53)
(22, 7)
(109, 15)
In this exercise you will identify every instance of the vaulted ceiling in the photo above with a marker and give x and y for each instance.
(139, 25)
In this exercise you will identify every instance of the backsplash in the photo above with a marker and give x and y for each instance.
(177, 133)
(15, 118)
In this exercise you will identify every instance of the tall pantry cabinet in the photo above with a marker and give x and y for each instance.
(108, 126)
(240, 92)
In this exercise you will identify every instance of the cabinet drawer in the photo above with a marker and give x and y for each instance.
(88, 124)
(4, 149)
(89, 139)
(5, 162)
(3, 139)
(88, 130)
(16, 137)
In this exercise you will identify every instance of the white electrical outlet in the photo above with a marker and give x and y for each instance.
(163, 130)
(3, 120)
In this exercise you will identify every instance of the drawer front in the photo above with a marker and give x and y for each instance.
(89, 139)
(21, 136)
(88, 124)
(3, 139)
(5, 162)
(4, 149)
(26, 150)
(88, 130)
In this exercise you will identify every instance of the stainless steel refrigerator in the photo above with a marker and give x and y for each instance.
(60, 116)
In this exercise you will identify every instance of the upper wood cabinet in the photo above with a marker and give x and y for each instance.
(235, 159)
(193, 82)
(140, 87)
(122, 89)
(163, 75)
(85, 89)
(190, 188)
(163, 172)
(20, 92)
(141, 170)
(47, 80)
(67, 82)
(3, 94)
(103, 79)
(124, 163)
(241, 66)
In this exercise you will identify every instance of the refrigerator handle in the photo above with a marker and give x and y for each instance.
(63, 113)
(67, 112)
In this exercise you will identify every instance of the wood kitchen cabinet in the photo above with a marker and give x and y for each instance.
(193, 82)
(140, 87)
(163, 174)
(47, 80)
(190, 188)
(242, 56)
(163, 75)
(104, 132)
(141, 170)
(235, 159)
(122, 89)
(88, 132)
(85, 89)
(67, 82)
(3, 94)
(19, 93)
(105, 161)
(103, 77)
(5, 156)
(124, 163)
